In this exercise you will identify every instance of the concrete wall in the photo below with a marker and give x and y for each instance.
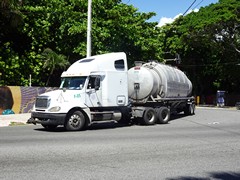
(24, 97)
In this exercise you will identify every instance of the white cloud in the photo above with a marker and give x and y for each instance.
(194, 10)
(165, 20)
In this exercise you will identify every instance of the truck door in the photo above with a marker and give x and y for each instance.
(94, 91)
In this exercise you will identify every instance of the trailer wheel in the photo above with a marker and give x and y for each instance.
(163, 114)
(149, 117)
(75, 121)
(189, 109)
(193, 109)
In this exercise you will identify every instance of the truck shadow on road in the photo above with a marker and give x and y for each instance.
(108, 125)
(177, 116)
(212, 175)
(93, 126)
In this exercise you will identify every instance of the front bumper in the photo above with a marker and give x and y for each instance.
(47, 118)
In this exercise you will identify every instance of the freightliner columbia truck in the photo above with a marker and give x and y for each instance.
(101, 88)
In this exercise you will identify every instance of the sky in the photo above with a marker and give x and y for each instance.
(167, 10)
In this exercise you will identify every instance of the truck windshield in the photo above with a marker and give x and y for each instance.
(73, 82)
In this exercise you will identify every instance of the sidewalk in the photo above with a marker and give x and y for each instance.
(216, 107)
(14, 119)
(20, 119)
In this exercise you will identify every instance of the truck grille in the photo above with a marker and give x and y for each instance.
(42, 102)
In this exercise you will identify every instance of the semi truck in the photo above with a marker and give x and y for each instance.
(101, 88)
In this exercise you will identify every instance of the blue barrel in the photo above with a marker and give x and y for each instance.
(220, 98)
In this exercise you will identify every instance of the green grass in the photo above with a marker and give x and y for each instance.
(16, 124)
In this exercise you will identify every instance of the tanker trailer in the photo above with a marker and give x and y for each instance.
(157, 90)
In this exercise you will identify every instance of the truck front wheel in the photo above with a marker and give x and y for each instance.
(75, 121)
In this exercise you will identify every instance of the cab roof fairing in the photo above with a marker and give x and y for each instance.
(85, 66)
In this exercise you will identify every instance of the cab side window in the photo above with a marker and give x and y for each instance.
(94, 82)
(119, 65)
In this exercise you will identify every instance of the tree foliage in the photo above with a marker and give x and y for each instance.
(207, 41)
(52, 61)
(62, 26)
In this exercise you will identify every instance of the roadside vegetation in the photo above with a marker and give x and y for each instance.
(42, 38)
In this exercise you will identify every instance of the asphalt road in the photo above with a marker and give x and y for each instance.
(203, 146)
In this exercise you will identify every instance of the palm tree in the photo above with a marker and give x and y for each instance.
(52, 61)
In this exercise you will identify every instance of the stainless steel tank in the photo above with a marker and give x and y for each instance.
(158, 81)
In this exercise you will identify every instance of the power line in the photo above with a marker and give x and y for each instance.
(127, 2)
(198, 4)
(189, 7)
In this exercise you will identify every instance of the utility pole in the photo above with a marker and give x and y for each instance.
(89, 28)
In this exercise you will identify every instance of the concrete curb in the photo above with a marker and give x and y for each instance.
(215, 107)
(14, 119)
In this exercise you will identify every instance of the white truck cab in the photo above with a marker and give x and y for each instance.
(92, 89)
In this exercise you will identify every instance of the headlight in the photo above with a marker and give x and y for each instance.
(55, 109)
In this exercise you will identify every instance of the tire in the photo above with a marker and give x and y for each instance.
(49, 127)
(149, 117)
(163, 114)
(189, 109)
(193, 109)
(75, 121)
